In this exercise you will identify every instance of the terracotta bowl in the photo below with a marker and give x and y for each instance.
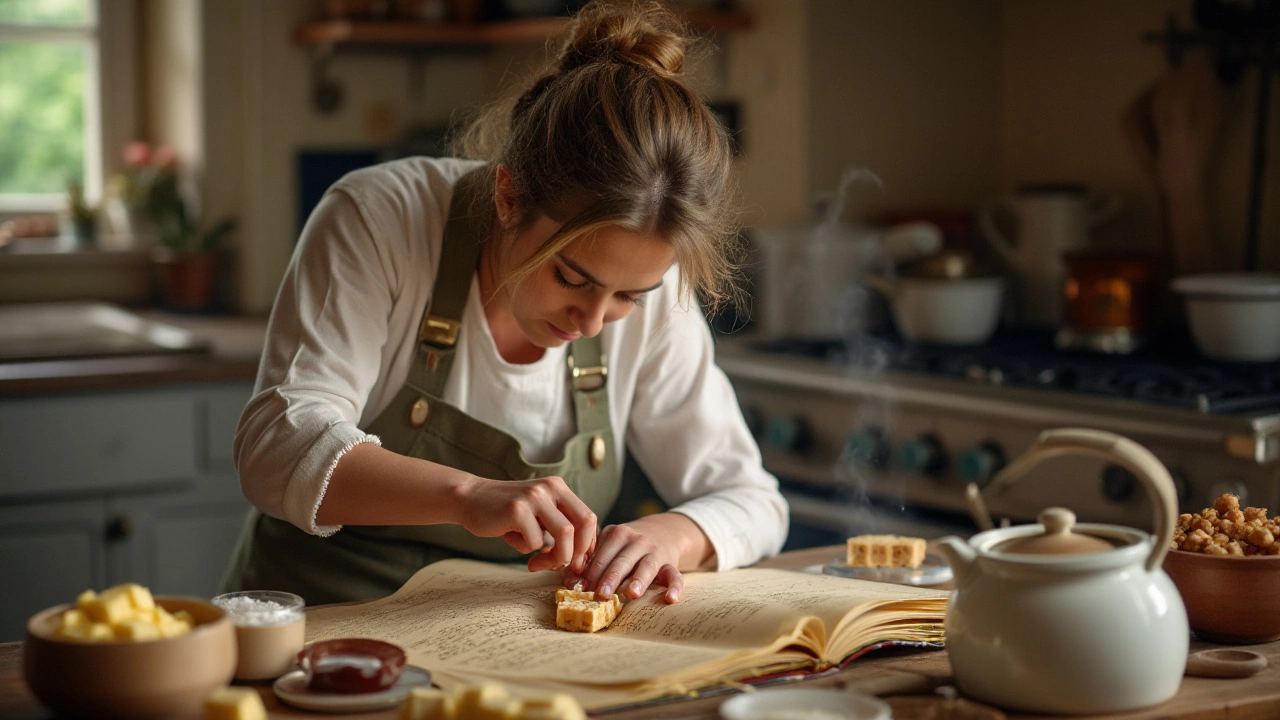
(138, 680)
(1229, 599)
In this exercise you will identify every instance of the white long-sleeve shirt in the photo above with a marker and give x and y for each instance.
(342, 336)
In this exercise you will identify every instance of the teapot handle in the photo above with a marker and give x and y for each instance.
(1120, 450)
(995, 237)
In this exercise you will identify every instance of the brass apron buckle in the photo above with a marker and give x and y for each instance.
(438, 331)
(588, 378)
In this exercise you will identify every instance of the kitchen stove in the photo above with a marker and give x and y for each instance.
(875, 434)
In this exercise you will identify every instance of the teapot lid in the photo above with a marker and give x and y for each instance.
(1057, 538)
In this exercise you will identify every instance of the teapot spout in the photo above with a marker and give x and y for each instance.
(960, 556)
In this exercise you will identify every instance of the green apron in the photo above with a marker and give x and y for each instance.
(364, 561)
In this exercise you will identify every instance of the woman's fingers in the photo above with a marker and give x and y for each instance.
(641, 575)
(669, 576)
(584, 537)
(609, 545)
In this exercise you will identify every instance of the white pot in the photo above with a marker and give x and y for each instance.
(1233, 316)
(811, 278)
(949, 311)
(1076, 630)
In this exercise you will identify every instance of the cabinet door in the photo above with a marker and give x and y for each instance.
(180, 540)
(74, 444)
(50, 552)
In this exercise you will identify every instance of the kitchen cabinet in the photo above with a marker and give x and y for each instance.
(98, 488)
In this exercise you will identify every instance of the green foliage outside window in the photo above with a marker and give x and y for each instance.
(45, 12)
(42, 94)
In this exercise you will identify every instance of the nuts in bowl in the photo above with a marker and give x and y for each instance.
(1225, 562)
(143, 670)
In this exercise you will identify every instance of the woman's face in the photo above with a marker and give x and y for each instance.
(595, 280)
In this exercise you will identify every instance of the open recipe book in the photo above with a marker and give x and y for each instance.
(469, 621)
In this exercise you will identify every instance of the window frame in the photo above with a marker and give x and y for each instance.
(111, 112)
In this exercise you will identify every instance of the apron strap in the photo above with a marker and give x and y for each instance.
(589, 377)
(442, 318)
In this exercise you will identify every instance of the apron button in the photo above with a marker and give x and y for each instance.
(597, 452)
(418, 413)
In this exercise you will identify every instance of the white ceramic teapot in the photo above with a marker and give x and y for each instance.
(1051, 618)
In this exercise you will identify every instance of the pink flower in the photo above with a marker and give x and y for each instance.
(137, 154)
(165, 157)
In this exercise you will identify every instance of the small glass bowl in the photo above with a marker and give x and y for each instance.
(261, 608)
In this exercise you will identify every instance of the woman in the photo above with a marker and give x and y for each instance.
(560, 328)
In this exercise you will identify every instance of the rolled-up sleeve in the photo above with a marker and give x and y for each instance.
(325, 338)
(687, 433)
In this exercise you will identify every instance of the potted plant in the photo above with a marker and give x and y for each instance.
(187, 254)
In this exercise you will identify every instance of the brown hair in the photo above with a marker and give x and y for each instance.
(609, 135)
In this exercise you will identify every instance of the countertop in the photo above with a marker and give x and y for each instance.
(891, 674)
(229, 348)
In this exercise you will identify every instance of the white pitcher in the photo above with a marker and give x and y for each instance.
(1051, 220)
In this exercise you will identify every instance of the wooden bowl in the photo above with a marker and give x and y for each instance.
(1229, 599)
(137, 680)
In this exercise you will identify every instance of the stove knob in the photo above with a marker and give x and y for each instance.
(1118, 484)
(788, 433)
(1229, 487)
(868, 446)
(921, 456)
(979, 464)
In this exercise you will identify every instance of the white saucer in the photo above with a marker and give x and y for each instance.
(292, 689)
(805, 703)
(932, 571)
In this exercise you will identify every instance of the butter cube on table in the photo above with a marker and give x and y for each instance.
(234, 703)
(560, 706)
(486, 701)
(427, 704)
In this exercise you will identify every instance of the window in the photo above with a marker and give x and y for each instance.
(50, 134)
(68, 89)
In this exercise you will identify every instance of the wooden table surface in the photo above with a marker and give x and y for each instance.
(886, 673)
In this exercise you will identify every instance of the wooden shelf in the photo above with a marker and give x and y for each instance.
(408, 33)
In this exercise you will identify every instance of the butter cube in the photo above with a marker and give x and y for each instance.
(560, 706)
(73, 618)
(74, 632)
(109, 607)
(234, 703)
(99, 632)
(486, 701)
(136, 630)
(139, 596)
(427, 704)
(170, 626)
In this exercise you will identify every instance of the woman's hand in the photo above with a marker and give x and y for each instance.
(629, 558)
(520, 512)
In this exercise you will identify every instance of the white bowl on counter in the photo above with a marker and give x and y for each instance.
(1233, 316)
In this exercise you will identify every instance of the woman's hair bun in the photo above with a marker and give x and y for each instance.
(645, 34)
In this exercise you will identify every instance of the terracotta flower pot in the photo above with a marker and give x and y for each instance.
(187, 281)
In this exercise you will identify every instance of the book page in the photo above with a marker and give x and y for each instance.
(462, 618)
